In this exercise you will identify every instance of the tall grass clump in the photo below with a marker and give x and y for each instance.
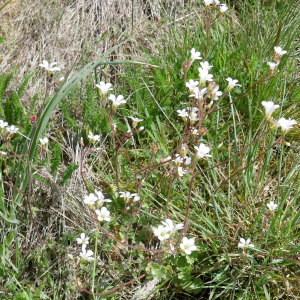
(177, 179)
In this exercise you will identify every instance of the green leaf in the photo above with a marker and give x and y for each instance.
(194, 286)
(156, 270)
(169, 272)
(68, 172)
(142, 234)
(1, 39)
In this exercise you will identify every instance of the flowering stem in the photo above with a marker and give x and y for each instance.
(116, 163)
(95, 258)
(168, 199)
(186, 221)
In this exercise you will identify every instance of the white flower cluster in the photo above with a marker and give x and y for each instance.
(84, 254)
(10, 129)
(97, 201)
(181, 159)
(285, 124)
(277, 56)
(127, 196)
(216, 4)
(202, 89)
(116, 101)
(169, 230)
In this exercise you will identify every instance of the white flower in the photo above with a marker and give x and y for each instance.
(232, 83)
(199, 94)
(172, 229)
(162, 232)
(12, 129)
(184, 149)
(90, 199)
(167, 159)
(49, 68)
(191, 85)
(193, 109)
(86, 255)
(44, 141)
(127, 196)
(193, 117)
(217, 2)
(181, 172)
(187, 245)
(272, 65)
(269, 107)
(279, 51)
(208, 2)
(272, 206)
(195, 55)
(103, 214)
(94, 138)
(101, 199)
(182, 113)
(84, 240)
(3, 124)
(188, 161)
(215, 94)
(135, 119)
(204, 76)
(245, 244)
(194, 131)
(116, 101)
(223, 8)
(285, 124)
(202, 151)
(136, 198)
(104, 87)
(70, 256)
(178, 159)
(205, 65)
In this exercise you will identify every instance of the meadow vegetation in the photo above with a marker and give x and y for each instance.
(149, 150)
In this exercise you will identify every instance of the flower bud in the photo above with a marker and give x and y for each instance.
(203, 131)
(277, 58)
(186, 66)
(140, 129)
(183, 150)
(154, 147)
(99, 203)
(81, 142)
(211, 86)
(91, 207)
(32, 118)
